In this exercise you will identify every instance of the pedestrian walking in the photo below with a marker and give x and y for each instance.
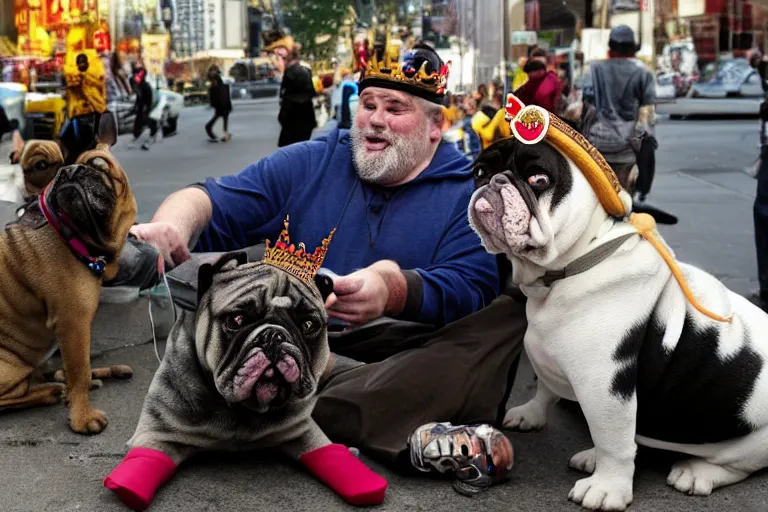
(221, 102)
(760, 208)
(543, 87)
(621, 93)
(297, 112)
(142, 108)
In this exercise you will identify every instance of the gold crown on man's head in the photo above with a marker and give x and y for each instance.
(420, 72)
(296, 261)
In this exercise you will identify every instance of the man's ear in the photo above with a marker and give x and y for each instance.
(436, 127)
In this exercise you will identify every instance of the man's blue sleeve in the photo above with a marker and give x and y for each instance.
(464, 277)
(245, 205)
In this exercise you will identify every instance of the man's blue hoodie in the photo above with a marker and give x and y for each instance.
(422, 225)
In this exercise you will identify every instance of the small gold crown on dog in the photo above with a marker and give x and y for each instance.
(297, 261)
(389, 70)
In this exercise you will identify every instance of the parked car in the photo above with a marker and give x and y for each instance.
(253, 78)
(729, 78)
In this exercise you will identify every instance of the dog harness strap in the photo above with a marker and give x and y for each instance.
(586, 262)
(76, 246)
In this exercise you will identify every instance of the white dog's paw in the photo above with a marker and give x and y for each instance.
(601, 493)
(530, 416)
(584, 461)
(699, 477)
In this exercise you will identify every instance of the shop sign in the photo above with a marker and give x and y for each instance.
(101, 41)
(524, 37)
(21, 15)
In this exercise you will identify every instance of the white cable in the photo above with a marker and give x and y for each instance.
(151, 319)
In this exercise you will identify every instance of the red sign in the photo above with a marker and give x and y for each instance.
(21, 15)
(101, 41)
(53, 12)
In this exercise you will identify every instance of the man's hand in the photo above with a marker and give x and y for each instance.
(166, 237)
(17, 147)
(368, 294)
(359, 297)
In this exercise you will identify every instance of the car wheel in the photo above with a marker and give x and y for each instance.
(170, 125)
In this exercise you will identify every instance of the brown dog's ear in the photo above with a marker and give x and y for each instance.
(107, 134)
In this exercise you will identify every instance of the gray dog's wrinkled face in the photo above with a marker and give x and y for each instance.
(263, 337)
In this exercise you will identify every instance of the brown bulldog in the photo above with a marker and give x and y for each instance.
(40, 161)
(54, 259)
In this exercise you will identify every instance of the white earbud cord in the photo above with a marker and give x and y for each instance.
(161, 270)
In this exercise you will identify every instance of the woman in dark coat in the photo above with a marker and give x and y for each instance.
(297, 112)
(221, 103)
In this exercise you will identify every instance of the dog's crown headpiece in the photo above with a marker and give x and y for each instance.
(420, 72)
(531, 124)
(297, 261)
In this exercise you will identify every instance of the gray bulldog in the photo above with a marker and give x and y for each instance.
(241, 372)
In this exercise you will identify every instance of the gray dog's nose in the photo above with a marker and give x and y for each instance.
(498, 181)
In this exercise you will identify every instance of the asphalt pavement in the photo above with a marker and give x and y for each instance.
(46, 467)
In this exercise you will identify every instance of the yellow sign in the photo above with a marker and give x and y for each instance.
(155, 52)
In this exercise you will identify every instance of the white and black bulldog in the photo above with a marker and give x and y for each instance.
(610, 327)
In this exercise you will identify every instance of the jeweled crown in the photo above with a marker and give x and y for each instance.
(296, 261)
(435, 82)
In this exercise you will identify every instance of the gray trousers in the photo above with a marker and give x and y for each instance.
(461, 373)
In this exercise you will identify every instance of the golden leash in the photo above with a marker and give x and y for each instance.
(646, 227)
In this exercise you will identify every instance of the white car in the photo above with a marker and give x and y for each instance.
(167, 108)
(13, 98)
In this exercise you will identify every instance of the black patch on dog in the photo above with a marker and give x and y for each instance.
(688, 395)
(524, 161)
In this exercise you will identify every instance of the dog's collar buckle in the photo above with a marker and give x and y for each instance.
(95, 264)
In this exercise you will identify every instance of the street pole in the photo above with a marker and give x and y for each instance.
(503, 32)
(113, 23)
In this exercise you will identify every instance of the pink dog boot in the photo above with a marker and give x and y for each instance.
(138, 477)
(336, 467)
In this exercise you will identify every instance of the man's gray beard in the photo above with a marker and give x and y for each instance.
(394, 163)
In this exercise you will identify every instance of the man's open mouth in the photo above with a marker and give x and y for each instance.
(268, 381)
(373, 143)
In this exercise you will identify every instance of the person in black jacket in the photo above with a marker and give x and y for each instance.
(297, 112)
(221, 103)
(760, 207)
(143, 106)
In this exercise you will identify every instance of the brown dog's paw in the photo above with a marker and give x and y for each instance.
(91, 422)
(121, 371)
(56, 394)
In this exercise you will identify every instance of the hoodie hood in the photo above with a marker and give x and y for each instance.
(448, 163)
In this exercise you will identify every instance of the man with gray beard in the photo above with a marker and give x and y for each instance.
(426, 342)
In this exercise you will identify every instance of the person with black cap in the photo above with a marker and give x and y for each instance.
(622, 94)
(426, 348)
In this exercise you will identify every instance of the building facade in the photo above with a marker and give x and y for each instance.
(188, 27)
